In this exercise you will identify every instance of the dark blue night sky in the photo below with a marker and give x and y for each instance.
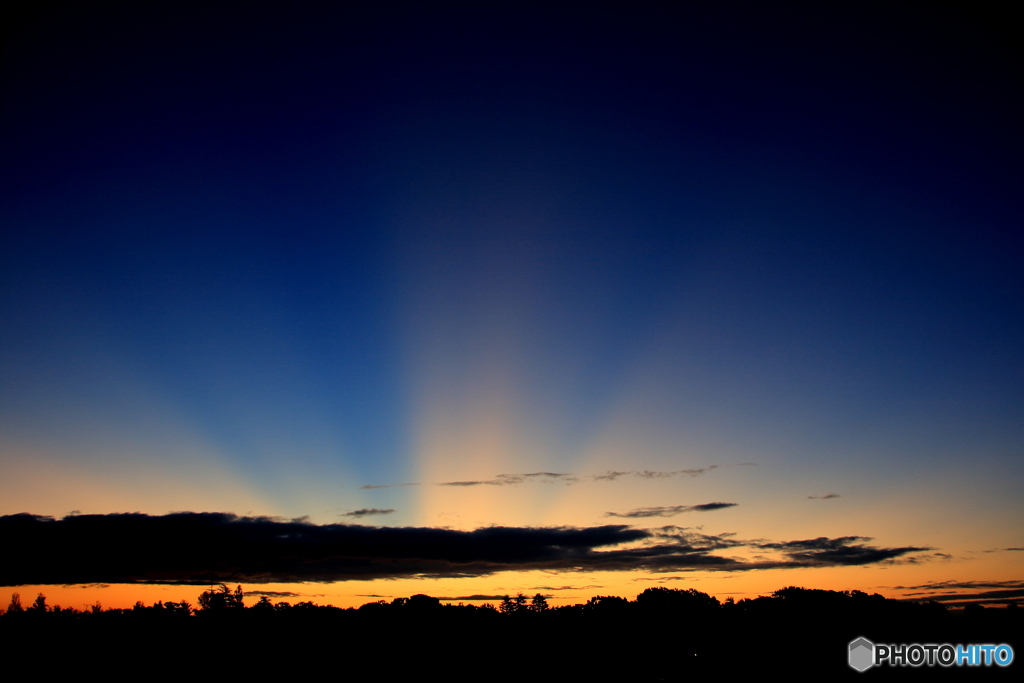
(257, 255)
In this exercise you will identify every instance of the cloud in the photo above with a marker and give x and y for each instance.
(707, 507)
(844, 551)
(918, 559)
(668, 511)
(1005, 591)
(695, 540)
(969, 585)
(1004, 550)
(203, 548)
(612, 475)
(475, 598)
(274, 594)
(827, 496)
(368, 512)
(514, 479)
(562, 477)
(650, 512)
(214, 547)
(371, 487)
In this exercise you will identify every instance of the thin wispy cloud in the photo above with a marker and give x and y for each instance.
(827, 496)
(516, 479)
(668, 511)
(478, 597)
(370, 487)
(612, 475)
(566, 478)
(695, 539)
(960, 585)
(368, 512)
(967, 591)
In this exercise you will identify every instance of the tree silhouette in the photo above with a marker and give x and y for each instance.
(606, 604)
(216, 600)
(516, 605)
(263, 604)
(421, 601)
(39, 605)
(668, 599)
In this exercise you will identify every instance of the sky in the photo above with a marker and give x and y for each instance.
(569, 298)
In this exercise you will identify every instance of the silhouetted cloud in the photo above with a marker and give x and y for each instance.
(275, 594)
(827, 496)
(707, 507)
(950, 591)
(969, 585)
(1004, 550)
(368, 512)
(668, 511)
(918, 559)
(206, 548)
(203, 548)
(475, 598)
(650, 512)
(696, 539)
(844, 551)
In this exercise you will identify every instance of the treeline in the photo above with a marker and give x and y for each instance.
(662, 634)
(222, 602)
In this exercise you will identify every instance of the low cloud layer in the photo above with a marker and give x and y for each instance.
(204, 548)
(668, 511)
(965, 592)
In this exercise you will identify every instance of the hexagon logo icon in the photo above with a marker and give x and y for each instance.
(862, 654)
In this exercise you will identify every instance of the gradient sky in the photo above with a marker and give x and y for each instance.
(326, 263)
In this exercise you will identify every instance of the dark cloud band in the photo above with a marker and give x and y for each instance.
(203, 548)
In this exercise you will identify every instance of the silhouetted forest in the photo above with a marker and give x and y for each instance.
(664, 634)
